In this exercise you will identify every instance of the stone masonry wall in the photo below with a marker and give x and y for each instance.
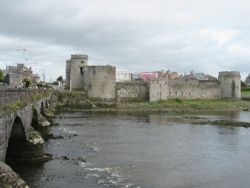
(6, 123)
(194, 89)
(74, 71)
(158, 90)
(230, 83)
(7, 120)
(182, 89)
(131, 91)
(99, 82)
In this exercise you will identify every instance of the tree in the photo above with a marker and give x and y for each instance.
(59, 79)
(243, 84)
(55, 83)
(27, 82)
(1, 76)
(39, 84)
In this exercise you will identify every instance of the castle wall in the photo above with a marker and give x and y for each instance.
(131, 91)
(194, 89)
(182, 89)
(158, 90)
(99, 82)
(230, 85)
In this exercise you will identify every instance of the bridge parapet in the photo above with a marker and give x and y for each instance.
(8, 96)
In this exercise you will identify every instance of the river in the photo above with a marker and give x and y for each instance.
(143, 151)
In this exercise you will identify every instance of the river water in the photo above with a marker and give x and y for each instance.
(143, 151)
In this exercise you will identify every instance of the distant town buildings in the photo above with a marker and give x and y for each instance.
(123, 76)
(145, 76)
(14, 75)
(169, 75)
(198, 76)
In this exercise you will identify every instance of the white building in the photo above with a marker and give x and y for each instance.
(123, 76)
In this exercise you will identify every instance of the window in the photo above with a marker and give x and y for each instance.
(81, 70)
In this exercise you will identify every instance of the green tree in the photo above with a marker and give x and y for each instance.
(27, 82)
(55, 83)
(1, 76)
(243, 84)
(59, 79)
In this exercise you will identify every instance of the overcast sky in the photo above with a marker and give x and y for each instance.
(133, 35)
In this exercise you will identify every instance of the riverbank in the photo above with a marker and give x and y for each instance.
(78, 101)
(196, 105)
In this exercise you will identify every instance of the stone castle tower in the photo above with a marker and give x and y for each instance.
(74, 68)
(230, 83)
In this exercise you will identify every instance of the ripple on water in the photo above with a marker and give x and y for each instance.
(108, 177)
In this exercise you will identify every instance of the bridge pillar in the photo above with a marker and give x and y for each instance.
(8, 178)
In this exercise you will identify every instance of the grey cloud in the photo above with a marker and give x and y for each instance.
(132, 35)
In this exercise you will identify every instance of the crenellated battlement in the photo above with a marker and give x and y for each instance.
(79, 56)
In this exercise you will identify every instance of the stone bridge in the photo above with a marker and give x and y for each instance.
(21, 112)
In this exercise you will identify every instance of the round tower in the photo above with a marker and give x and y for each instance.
(230, 83)
(74, 71)
(79, 58)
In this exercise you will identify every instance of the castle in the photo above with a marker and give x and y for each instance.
(99, 83)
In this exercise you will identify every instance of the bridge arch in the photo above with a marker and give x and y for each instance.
(34, 120)
(46, 104)
(17, 138)
(42, 108)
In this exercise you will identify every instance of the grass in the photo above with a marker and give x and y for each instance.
(245, 91)
(193, 105)
(77, 100)
(13, 106)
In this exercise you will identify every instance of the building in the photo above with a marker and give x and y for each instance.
(146, 76)
(14, 75)
(169, 75)
(123, 76)
(97, 81)
(135, 76)
(198, 76)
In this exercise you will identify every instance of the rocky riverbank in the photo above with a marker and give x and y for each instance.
(10, 179)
